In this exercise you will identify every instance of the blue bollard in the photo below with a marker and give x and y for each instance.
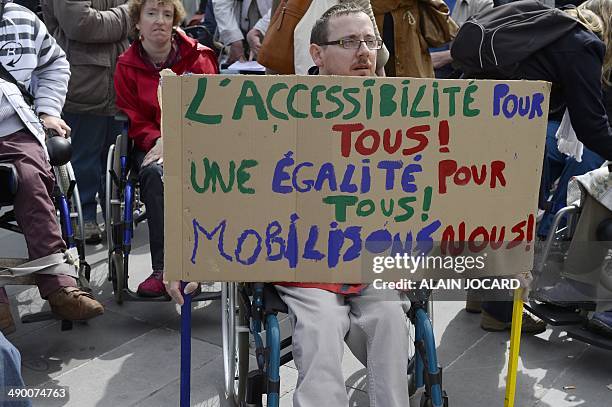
(185, 348)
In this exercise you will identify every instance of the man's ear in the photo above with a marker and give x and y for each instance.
(315, 53)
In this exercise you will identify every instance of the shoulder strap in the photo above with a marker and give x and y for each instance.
(6, 75)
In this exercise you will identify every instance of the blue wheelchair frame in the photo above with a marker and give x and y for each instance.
(263, 305)
(121, 187)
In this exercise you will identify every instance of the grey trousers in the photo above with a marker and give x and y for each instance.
(374, 326)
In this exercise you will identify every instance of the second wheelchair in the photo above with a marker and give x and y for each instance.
(124, 211)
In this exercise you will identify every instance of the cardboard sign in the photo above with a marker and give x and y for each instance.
(315, 179)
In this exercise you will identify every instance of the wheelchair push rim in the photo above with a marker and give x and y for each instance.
(234, 326)
(107, 203)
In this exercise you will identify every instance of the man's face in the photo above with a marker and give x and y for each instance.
(336, 60)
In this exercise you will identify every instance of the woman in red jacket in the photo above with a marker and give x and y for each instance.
(159, 45)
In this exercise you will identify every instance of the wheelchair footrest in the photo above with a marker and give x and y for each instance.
(590, 337)
(255, 387)
(45, 316)
(554, 315)
(427, 402)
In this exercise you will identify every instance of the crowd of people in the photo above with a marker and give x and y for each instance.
(91, 59)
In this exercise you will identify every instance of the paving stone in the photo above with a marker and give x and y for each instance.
(133, 371)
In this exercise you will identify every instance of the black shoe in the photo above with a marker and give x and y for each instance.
(567, 293)
(93, 234)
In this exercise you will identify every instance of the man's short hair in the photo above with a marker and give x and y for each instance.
(319, 33)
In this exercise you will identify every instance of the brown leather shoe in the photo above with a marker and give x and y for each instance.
(530, 325)
(473, 302)
(74, 304)
(7, 324)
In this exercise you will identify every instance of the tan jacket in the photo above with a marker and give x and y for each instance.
(93, 34)
(411, 51)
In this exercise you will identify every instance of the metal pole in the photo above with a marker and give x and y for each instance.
(185, 348)
(515, 344)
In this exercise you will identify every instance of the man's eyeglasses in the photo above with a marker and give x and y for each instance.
(351, 43)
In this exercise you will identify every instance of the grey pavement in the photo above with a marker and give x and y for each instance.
(130, 355)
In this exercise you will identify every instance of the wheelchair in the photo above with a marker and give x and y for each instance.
(67, 203)
(124, 212)
(564, 247)
(204, 37)
(250, 310)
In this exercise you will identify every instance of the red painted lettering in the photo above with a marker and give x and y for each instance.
(346, 140)
(497, 173)
(360, 145)
(416, 133)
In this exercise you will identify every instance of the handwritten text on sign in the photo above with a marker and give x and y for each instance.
(297, 178)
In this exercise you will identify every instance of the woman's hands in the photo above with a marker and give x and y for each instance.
(155, 154)
(173, 288)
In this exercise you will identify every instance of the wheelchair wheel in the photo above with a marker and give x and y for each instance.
(117, 276)
(234, 325)
(107, 203)
(412, 362)
(65, 179)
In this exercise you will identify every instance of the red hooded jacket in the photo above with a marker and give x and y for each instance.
(136, 86)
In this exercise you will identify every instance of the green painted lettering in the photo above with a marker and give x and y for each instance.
(468, 100)
(356, 105)
(329, 95)
(451, 92)
(250, 96)
(212, 173)
(414, 112)
(196, 102)
(387, 105)
(273, 90)
(314, 101)
(244, 176)
(291, 99)
(340, 203)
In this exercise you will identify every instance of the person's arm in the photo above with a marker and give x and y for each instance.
(580, 77)
(263, 23)
(80, 22)
(256, 35)
(143, 130)
(209, 18)
(441, 58)
(51, 74)
(229, 30)
(483, 5)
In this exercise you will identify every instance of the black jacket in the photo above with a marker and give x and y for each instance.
(573, 64)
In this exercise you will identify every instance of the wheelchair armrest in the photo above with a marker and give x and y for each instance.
(272, 301)
(123, 145)
(8, 183)
(121, 117)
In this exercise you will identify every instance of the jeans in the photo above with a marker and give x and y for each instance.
(152, 195)
(558, 166)
(10, 372)
(91, 136)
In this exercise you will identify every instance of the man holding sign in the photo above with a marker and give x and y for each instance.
(372, 322)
